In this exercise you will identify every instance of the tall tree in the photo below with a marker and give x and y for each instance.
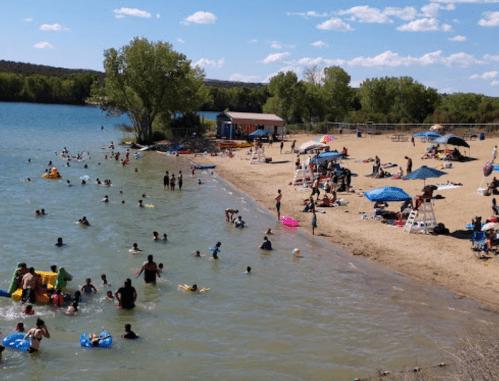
(337, 92)
(148, 80)
(285, 92)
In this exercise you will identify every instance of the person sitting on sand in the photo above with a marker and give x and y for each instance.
(493, 185)
(405, 210)
(266, 244)
(380, 174)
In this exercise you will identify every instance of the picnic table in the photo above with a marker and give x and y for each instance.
(469, 136)
(400, 138)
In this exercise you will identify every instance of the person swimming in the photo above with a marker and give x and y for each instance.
(140, 205)
(156, 236)
(72, 309)
(165, 237)
(104, 279)
(105, 199)
(239, 223)
(197, 253)
(248, 270)
(68, 183)
(29, 310)
(135, 247)
(59, 242)
(129, 334)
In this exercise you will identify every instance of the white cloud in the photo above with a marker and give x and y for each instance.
(180, 40)
(309, 61)
(201, 18)
(119, 16)
(158, 15)
(489, 19)
(28, 20)
(366, 14)
(390, 59)
(458, 38)
(307, 14)
(238, 77)
(424, 25)
(489, 57)
(205, 62)
(487, 75)
(276, 57)
(335, 24)
(494, 83)
(131, 12)
(276, 45)
(318, 44)
(43, 45)
(253, 41)
(406, 14)
(54, 27)
(431, 10)
(355, 84)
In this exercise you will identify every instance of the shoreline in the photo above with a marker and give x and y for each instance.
(443, 261)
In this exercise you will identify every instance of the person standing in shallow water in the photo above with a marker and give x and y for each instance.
(126, 295)
(278, 203)
(180, 180)
(166, 180)
(150, 270)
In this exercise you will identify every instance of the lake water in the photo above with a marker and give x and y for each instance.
(325, 315)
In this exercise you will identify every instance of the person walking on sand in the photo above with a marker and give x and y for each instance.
(281, 146)
(278, 204)
(409, 164)
(314, 221)
(494, 153)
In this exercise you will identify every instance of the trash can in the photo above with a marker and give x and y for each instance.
(482, 136)
(359, 134)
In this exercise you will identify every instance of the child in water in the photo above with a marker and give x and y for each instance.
(136, 247)
(29, 310)
(216, 250)
(104, 279)
(88, 287)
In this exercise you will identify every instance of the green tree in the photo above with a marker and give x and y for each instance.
(148, 80)
(338, 94)
(285, 96)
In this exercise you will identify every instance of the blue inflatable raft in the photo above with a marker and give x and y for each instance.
(106, 343)
(205, 166)
(16, 341)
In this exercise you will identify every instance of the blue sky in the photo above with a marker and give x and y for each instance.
(452, 46)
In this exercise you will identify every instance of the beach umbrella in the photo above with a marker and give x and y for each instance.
(452, 140)
(387, 194)
(423, 173)
(427, 135)
(327, 156)
(490, 226)
(488, 168)
(310, 146)
(325, 138)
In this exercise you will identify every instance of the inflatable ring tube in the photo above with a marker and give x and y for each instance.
(106, 343)
(51, 176)
(4, 293)
(16, 341)
(212, 249)
(188, 288)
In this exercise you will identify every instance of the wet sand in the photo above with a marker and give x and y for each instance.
(445, 261)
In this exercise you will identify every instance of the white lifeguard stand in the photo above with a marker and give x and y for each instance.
(422, 220)
(303, 172)
(258, 156)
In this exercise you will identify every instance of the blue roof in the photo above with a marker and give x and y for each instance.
(387, 194)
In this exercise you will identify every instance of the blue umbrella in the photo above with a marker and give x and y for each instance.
(327, 156)
(451, 139)
(427, 134)
(387, 194)
(423, 173)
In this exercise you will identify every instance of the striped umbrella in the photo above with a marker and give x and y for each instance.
(325, 138)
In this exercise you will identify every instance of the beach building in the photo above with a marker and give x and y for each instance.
(239, 124)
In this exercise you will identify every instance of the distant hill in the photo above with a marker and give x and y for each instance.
(28, 69)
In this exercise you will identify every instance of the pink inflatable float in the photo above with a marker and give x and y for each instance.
(288, 221)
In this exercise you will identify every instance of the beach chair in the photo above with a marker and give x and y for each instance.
(478, 245)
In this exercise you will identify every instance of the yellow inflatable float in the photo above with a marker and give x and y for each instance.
(54, 174)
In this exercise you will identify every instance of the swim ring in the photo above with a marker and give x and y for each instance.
(54, 174)
(288, 221)
(106, 343)
(16, 341)
(185, 287)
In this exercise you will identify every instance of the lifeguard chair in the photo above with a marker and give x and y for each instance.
(258, 156)
(302, 173)
(422, 220)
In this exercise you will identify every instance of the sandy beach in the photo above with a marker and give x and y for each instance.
(445, 261)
